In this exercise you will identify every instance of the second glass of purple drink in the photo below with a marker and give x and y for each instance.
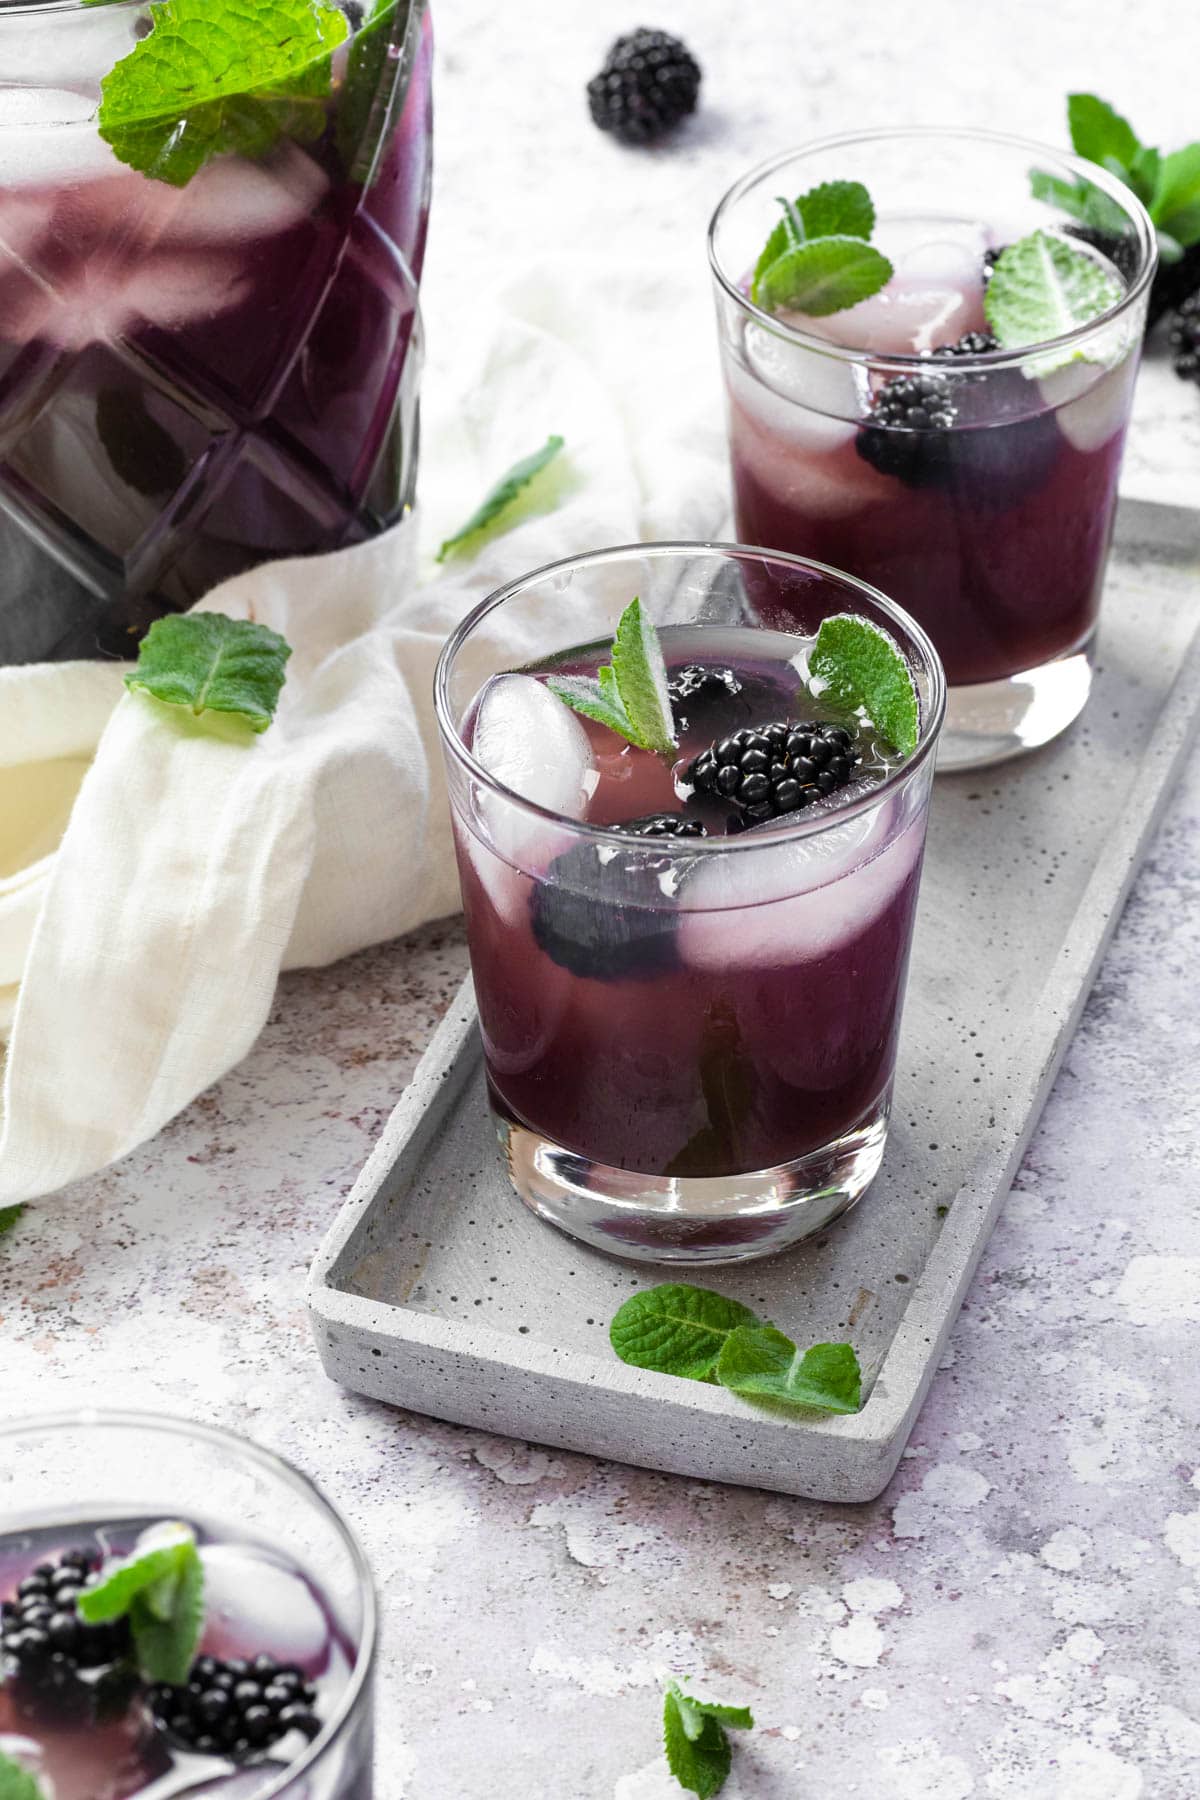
(988, 517)
(289, 1608)
(690, 1040)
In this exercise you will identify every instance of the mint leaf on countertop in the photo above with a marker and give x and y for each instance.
(1100, 133)
(9, 1216)
(17, 1783)
(676, 1329)
(499, 498)
(860, 667)
(631, 694)
(695, 1741)
(220, 77)
(159, 1587)
(760, 1363)
(210, 663)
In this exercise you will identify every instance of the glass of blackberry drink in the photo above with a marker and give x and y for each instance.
(181, 1612)
(929, 341)
(689, 829)
(212, 227)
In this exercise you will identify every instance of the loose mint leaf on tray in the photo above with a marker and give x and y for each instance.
(209, 663)
(159, 1587)
(821, 276)
(676, 1329)
(17, 1783)
(760, 1363)
(859, 666)
(1042, 288)
(695, 1742)
(9, 1216)
(220, 77)
(498, 499)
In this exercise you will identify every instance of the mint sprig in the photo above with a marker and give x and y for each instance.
(9, 1216)
(700, 1335)
(207, 662)
(160, 1589)
(496, 503)
(817, 259)
(1041, 288)
(631, 694)
(861, 669)
(1168, 186)
(695, 1742)
(17, 1783)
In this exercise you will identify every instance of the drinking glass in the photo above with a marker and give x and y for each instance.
(993, 531)
(723, 1089)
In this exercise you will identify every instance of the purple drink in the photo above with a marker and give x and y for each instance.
(895, 438)
(695, 1036)
(194, 379)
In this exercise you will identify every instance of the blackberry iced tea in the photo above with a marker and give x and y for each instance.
(689, 966)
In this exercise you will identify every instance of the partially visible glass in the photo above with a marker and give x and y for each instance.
(196, 379)
(704, 1073)
(286, 1576)
(993, 531)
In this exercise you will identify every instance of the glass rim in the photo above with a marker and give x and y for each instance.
(992, 359)
(23, 9)
(805, 825)
(122, 1418)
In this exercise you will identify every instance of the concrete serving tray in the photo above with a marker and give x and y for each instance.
(436, 1290)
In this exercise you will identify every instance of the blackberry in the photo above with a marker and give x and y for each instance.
(231, 1707)
(906, 430)
(649, 82)
(990, 259)
(42, 1636)
(1121, 250)
(1184, 339)
(778, 768)
(600, 913)
(1174, 283)
(971, 343)
(695, 683)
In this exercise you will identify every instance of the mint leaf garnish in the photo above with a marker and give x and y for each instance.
(17, 1783)
(9, 1216)
(359, 137)
(676, 1329)
(822, 276)
(760, 1363)
(1042, 288)
(160, 1589)
(835, 208)
(218, 78)
(694, 1739)
(859, 666)
(498, 499)
(210, 663)
(630, 696)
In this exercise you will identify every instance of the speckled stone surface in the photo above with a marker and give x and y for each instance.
(1017, 1616)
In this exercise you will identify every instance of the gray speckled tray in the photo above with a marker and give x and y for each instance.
(438, 1291)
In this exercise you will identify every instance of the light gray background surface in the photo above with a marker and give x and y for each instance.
(1017, 1616)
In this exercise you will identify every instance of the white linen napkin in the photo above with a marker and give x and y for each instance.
(139, 954)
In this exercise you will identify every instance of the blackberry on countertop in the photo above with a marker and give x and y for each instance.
(41, 1633)
(649, 82)
(232, 1707)
(1174, 283)
(1183, 336)
(767, 770)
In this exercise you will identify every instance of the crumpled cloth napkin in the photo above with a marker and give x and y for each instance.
(147, 909)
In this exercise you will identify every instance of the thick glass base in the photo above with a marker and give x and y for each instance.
(991, 721)
(668, 1219)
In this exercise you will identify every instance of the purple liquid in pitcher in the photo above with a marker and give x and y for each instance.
(995, 532)
(194, 380)
(91, 1734)
(748, 1025)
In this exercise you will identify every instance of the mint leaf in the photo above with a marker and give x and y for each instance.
(697, 1749)
(1176, 205)
(641, 680)
(359, 126)
(210, 663)
(860, 666)
(217, 78)
(821, 276)
(160, 1589)
(17, 1783)
(1100, 133)
(842, 208)
(587, 696)
(760, 1363)
(498, 499)
(1041, 288)
(676, 1329)
(9, 1216)
(729, 1083)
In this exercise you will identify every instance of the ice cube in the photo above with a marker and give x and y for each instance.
(935, 295)
(95, 304)
(803, 394)
(529, 741)
(255, 1603)
(798, 900)
(1092, 403)
(232, 202)
(49, 136)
